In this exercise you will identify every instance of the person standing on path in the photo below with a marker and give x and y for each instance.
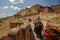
(31, 29)
(39, 28)
(28, 23)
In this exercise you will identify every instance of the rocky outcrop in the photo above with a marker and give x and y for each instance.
(56, 8)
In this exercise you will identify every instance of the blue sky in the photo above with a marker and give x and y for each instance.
(10, 7)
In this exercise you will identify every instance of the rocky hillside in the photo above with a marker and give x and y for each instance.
(36, 9)
(56, 8)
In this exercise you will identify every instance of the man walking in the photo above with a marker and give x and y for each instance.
(39, 28)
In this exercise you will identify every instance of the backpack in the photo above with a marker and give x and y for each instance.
(38, 27)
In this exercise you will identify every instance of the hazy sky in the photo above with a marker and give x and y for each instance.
(10, 7)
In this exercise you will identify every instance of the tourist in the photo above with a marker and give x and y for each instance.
(39, 28)
(28, 23)
(31, 29)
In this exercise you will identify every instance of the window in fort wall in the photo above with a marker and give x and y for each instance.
(12, 25)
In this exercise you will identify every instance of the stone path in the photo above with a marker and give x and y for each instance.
(36, 38)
